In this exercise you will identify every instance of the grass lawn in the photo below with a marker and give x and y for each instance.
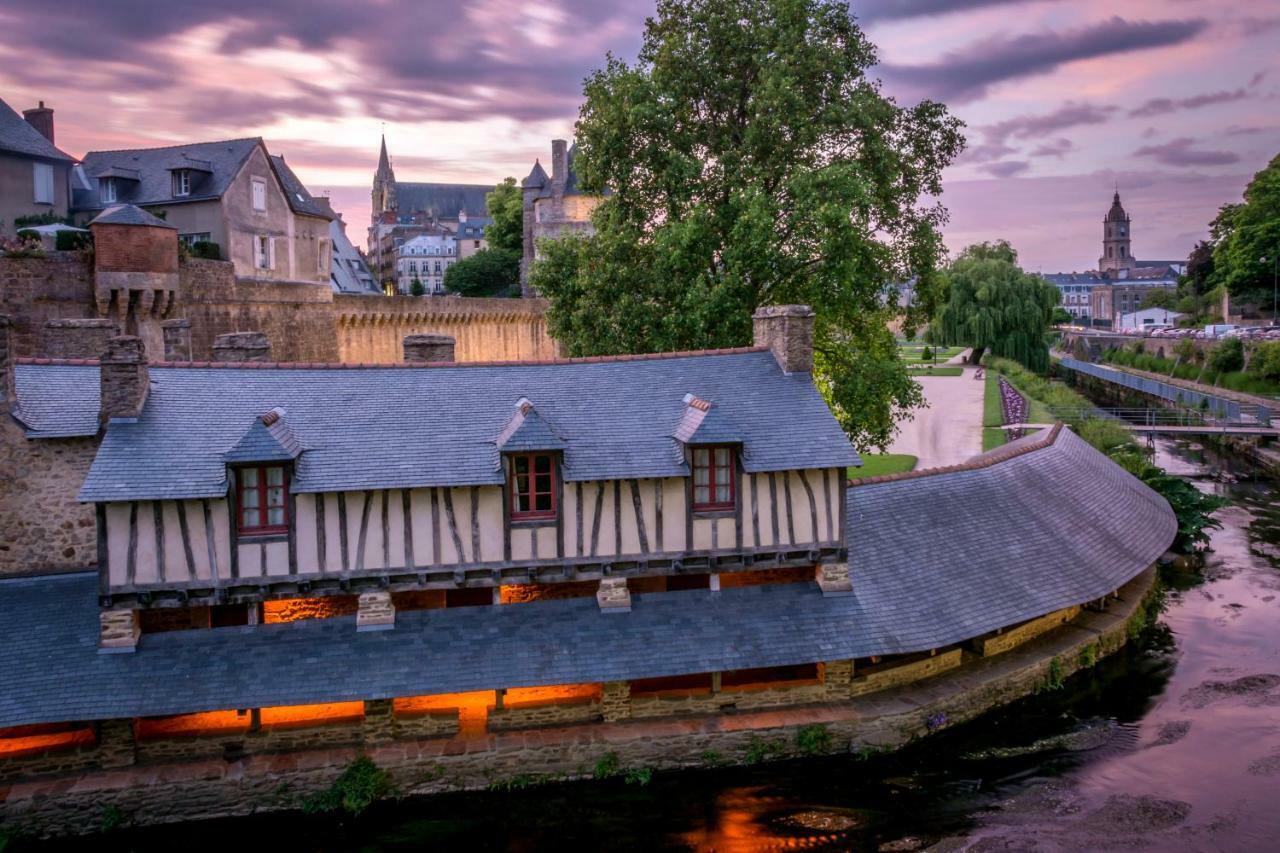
(992, 414)
(876, 464)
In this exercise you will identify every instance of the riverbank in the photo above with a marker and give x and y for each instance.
(884, 720)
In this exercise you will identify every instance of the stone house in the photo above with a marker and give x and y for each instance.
(233, 194)
(554, 206)
(425, 258)
(35, 177)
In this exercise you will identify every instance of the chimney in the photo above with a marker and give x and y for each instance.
(177, 339)
(433, 348)
(124, 378)
(78, 338)
(41, 118)
(559, 161)
(787, 330)
(8, 383)
(242, 346)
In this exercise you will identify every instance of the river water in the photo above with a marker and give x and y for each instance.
(1171, 745)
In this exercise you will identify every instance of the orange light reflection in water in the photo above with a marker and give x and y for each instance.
(741, 824)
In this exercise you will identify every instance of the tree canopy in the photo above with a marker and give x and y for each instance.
(750, 160)
(489, 272)
(993, 305)
(505, 205)
(1244, 234)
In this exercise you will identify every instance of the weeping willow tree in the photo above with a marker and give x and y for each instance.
(993, 305)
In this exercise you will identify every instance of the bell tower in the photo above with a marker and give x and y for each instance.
(384, 184)
(1116, 252)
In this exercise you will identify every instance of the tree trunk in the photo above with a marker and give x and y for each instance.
(975, 355)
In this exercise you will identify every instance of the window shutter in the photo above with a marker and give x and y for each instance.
(42, 178)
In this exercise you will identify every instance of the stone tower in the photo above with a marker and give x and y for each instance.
(384, 184)
(1116, 252)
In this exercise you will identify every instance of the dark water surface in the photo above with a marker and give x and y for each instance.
(1173, 744)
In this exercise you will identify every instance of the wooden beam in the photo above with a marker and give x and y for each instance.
(559, 487)
(131, 560)
(364, 529)
(639, 508)
(453, 525)
(386, 528)
(755, 512)
(475, 524)
(660, 544)
(506, 511)
(826, 501)
(343, 536)
(595, 521)
(578, 513)
(321, 534)
(209, 540)
(773, 506)
(841, 536)
(617, 516)
(436, 532)
(737, 500)
(157, 520)
(791, 516)
(185, 531)
(688, 510)
(293, 530)
(104, 553)
(813, 507)
(406, 509)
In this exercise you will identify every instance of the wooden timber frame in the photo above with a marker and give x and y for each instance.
(469, 576)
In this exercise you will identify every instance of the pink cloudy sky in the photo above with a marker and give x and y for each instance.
(1177, 101)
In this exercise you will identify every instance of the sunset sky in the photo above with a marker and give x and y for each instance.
(1176, 101)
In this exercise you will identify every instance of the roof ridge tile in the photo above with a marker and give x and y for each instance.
(984, 460)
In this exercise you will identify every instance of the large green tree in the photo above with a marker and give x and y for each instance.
(489, 272)
(506, 207)
(750, 160)
(1244, 234)
(993, 305)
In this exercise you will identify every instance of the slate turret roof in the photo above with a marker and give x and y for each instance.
(129, 214)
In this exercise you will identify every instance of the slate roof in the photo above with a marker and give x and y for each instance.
(268, 439)
(444, 200)
(935, 560)
(129, 214)
(527, 431)
(58, 401)
(615, 415)
(300, 200)
(19, 137)
(223, 159)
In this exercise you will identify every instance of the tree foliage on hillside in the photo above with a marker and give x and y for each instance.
(505, 205)
(751, 161)
(993, 305)
(1244, 234)
(489, 272)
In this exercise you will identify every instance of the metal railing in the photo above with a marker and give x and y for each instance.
(1209, 405)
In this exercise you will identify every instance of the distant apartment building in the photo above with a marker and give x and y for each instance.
(233, 194)
(1098, 297)
(35, 177)
(425, 258)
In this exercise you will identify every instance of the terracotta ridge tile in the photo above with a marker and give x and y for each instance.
(996, 456)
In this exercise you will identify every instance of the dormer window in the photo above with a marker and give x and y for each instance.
(181, 182)
(107, 190)
(261, 500)
(533, 486)
(713, 479)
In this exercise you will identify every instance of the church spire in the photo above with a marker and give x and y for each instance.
(384, 162)
(384, 183)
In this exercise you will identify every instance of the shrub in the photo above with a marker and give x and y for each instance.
(416, 288)
(206, 249)
(1187, 350)
(353, 791)
(27, 235)
(926, 354)
(711, 758)
(759, 749)
(1105, 435)
(1089, 655)
(1227, 355)
(1192, 507)
(46, 218)
(1265, 363)
(70, 241)
(1053, 677)
(813, 740)
(639, 776)
(607, 766)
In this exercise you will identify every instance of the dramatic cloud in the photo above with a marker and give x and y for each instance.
(967, 74)
(1181, 152)
(1057, 148)
(1036, 126)
(1006, 168)
(1160, 106)
(888, 10)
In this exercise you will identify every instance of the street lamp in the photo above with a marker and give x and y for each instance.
(1275, 284)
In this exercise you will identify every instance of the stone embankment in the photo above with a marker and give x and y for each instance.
(886, 719)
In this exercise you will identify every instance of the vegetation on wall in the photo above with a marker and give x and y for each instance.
(993, 305)
(750, 159)
(359, 785)
(1194, 367)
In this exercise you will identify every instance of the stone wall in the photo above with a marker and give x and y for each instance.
(34, 291)
(894, 673)
(1010, 638)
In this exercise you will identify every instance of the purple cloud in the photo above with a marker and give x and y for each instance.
(1057, 148)
(1181, 152)
(968, 74)
(1161, 106)
(1070, 114)
(890, 10)
(1006, 168)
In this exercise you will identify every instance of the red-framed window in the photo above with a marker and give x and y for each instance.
(714, 479)
(533, 486)
(262, 503)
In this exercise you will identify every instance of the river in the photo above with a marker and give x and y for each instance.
(1171, 745)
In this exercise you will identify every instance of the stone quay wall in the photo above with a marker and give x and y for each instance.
(210, 787)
